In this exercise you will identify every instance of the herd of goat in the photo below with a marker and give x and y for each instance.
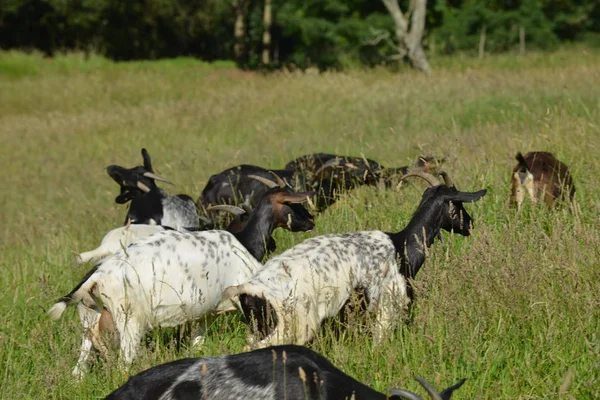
(170, 264)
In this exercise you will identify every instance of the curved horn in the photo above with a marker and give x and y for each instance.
(143, 187)
(405, 394)
(279, 181)
(235, 210)
(447, 178)
(432, 180)
(430, 389)
(270, 184)
(334, 162)
(152, 175)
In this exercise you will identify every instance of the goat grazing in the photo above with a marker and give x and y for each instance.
(313, 280)
(540, 174)
(280, 372)
(173, 277)
(325, 174)
(150, 204)
(359, 170)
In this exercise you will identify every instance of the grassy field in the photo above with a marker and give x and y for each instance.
(515, 308)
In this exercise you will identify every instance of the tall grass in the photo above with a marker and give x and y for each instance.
(514, 308)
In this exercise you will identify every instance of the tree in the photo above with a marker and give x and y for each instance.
(239, 29)
(409, 40)
(266, 38)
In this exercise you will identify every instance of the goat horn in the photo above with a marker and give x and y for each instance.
(334, 162)
(270, 184)
(405, 394)
(235, 210)
(156, 177)
(279, 181)
(432, 180)
(447, 178)
(143, 187)
(430, 389)
(205, 220)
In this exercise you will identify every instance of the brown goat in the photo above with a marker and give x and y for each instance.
(540, 174)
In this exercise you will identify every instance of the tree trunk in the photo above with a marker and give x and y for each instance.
(416, 54)
(482, 41)
(239, 30)
(266, 38)
(410, 41)
(522, 40)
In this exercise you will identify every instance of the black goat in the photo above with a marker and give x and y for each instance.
(150, 204)
(280, 372)
(327, 175)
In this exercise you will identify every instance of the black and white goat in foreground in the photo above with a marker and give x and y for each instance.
(280, 372)
(150, 204)
(313, 280)
(172, 277)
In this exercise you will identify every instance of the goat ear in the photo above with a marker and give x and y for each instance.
(522, 167)
(467, 197)
(447, 393)
(124, 197)
(293, 197)
(147, 161)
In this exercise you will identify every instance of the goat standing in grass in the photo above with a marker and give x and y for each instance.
(150, 204)
(313, 280)
(280, 372)
(537, 175)
(173, 277)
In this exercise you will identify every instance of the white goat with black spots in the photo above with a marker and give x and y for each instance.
(312, 281)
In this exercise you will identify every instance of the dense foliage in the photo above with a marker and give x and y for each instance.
(326, 33)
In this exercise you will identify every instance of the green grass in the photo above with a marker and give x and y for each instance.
(513, 308)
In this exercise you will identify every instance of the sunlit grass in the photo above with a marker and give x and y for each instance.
(512, 308)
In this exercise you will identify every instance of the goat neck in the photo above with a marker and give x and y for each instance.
(258, 230)
(422, 229)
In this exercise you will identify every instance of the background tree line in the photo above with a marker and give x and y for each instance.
(271, 33)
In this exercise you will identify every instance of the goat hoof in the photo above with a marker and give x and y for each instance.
(78, 373)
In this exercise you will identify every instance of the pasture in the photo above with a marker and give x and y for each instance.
(515, 308)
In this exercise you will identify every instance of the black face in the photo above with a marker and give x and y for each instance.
(455, 217)
(128, 180)
(301, 219)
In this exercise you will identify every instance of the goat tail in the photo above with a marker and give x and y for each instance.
(58, 308)
(61, 304)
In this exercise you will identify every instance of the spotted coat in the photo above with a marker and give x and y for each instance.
(117, 239)
(313, 280)
(165, 279)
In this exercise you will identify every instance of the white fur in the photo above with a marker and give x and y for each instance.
(165, 279)
(313, 280)
(116, 240)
